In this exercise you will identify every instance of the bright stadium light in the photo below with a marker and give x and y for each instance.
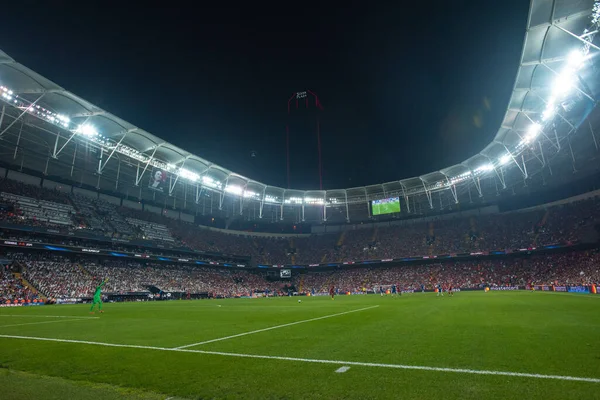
(505, 159)
(564, 83)
(485, 168)
(271, 199)
(250, 194)
(87, 130)
(210, 182)
(234, 189)
(576, 59)
(549, 113)
(293, 200)
(187, 174)
(532, 132)
(313, 200)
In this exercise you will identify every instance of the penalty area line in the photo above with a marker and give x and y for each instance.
(317, 361)
(274, 327)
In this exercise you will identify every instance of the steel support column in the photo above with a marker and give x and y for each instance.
(100, 161)
(20, 115)
(406, 199)
(139, 178)
(367, 202)
(198, 192)
(593, 135)
(427, 193)
(262, 203)
(242, 198)
(477, 183)
(101, 168)
(2, 115)
(523, 171)
(18, 139)
(347, 210)
(118, 173)
(172, 187)
(572, 154)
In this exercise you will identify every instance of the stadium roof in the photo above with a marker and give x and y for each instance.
(556, 30)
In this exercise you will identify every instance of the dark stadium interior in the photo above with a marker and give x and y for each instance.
(259, 161)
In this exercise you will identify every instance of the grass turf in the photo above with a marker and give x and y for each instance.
(539, 333)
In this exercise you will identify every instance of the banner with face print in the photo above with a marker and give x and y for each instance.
(158, 180)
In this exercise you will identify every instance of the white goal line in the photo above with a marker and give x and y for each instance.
(317, 361)
(274, 327)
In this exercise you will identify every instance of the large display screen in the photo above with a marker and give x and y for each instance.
(386, 206)
(285, 273)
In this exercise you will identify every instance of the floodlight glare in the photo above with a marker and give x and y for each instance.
(548, 114)
(187, 174)
(234, 189)
(505, 158)
(485, 167)
(532, 132)
(575, 59)
(87, 130)
(563, 83)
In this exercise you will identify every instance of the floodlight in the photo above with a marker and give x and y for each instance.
(575, 59)
(87, 130)
(563, 83)
(187, 174)
(532, 132)
(505, 158)
(234, 189)
(484, 168)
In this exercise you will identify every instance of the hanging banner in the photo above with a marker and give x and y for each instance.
(158, 180)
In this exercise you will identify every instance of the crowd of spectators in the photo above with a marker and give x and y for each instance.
(58, 278)
(12, 289)
(536, 227)
(62, 278)
(568, 269)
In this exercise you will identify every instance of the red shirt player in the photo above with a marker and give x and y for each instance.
(332, 292)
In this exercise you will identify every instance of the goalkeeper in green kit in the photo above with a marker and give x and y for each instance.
(98, 297)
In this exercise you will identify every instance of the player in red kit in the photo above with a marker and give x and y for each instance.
(332, 292)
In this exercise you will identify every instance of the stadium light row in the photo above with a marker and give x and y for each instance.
(557, 93)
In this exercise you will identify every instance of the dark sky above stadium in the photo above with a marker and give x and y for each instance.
(405, 89)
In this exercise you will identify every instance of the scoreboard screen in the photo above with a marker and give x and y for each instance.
(386, 206)
(285, 273)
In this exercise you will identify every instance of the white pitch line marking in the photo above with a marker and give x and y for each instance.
(341, 370)
(316, 361)
(43, 322)
(273, 327)
(48, 316)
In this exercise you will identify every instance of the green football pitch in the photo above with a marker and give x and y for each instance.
(475, 345)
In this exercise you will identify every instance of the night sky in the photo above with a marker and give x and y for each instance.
(405, 89)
